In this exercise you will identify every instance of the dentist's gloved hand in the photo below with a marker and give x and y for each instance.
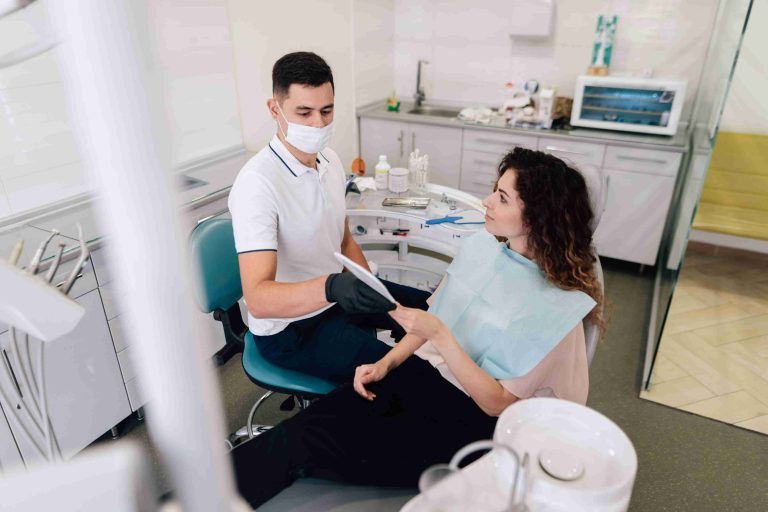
(354, 296)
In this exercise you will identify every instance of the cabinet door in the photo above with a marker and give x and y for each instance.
(635, 211)
(443, 145)
(382, 137)
(10, 458)
(85, 390)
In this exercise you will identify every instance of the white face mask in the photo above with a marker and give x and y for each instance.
(306, 138)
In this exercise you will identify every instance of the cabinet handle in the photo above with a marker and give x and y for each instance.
(485, 162)
(400, 140)
(222, 212)
(483, 183)
(11, 373)
(413, 141)
(640, 159)
(500, 142)
(561, 150)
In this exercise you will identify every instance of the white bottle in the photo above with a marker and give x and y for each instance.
(381, 173)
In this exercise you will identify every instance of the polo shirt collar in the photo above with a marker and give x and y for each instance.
(291, 163)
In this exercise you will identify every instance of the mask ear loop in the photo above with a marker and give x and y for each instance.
(284, 132)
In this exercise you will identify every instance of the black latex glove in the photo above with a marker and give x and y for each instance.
(354, 296)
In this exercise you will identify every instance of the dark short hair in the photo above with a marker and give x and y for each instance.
(303, 68)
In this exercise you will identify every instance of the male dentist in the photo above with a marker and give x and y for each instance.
(288, 215)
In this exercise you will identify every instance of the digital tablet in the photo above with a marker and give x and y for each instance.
(365, 276)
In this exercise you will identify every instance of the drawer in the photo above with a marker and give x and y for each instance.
(99, 259)
(112, 299)
(647, 161)
(119, 340)
(573, 151)
(128, 366)
(136, 394)
(497, 143)
(478, 173)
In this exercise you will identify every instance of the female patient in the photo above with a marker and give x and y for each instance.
(505, 324)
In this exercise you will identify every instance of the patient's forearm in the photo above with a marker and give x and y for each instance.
(402, 351)
(486, 391)
(272, 299)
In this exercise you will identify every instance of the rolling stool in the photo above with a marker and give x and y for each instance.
(217, 290)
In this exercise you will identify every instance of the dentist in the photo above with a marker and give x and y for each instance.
(288, 215)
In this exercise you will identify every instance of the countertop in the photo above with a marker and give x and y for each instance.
(217, 172)
(678, 142)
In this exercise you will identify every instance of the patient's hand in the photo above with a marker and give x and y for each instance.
(367, 373)
(420, 323)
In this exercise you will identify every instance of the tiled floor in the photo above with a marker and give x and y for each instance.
(713, 356)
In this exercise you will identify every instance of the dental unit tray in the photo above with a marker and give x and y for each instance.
(419, 203)
(365, 276)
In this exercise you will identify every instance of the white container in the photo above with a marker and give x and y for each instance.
(398, 180)
(381, 173)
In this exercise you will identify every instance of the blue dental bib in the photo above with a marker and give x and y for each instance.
(501, 309)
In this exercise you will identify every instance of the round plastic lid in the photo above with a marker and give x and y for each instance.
(561, 465)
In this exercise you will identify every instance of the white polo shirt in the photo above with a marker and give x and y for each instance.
(279, 204)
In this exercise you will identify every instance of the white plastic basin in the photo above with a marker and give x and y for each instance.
(607, 459)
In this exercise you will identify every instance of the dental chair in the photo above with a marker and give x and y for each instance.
(217, 290)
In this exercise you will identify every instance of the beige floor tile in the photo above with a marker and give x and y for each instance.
(684, 303)
(687, 359)
(759, 424)
(736, 330)
(756, 364)
(677, 392)
(757, 346)
(664, 370)
(709, 296)
(732, 408)
(725, 364)
(699, 318)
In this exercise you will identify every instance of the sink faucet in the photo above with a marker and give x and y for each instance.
(419, 96)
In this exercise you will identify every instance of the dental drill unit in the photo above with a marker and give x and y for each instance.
(37, 312)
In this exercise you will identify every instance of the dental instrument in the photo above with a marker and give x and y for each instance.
(35, 263)
(84, 255)
(16, 252)
(451, 219)
(56, 262)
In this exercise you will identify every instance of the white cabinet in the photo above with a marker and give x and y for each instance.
(443, 145)
(641, 179)
(380, 137)
(10, 457)
(482, 152)
(397, 139)
(574, 152)
(85, 390)
(636, 208)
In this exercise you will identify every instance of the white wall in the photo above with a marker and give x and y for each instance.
(746, 109)
(262, 32)
(374, 50)
(39, 162)
(472, 55)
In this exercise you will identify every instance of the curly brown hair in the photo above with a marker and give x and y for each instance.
(557, 216)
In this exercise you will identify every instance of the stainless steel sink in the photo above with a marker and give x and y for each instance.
(434, 111)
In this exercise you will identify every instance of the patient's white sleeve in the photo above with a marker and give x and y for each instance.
(563, 373)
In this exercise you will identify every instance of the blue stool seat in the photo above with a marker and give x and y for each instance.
(277, 378)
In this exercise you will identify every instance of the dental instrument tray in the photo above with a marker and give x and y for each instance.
(419, 203)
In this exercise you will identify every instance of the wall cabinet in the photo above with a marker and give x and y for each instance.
(639, 181)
